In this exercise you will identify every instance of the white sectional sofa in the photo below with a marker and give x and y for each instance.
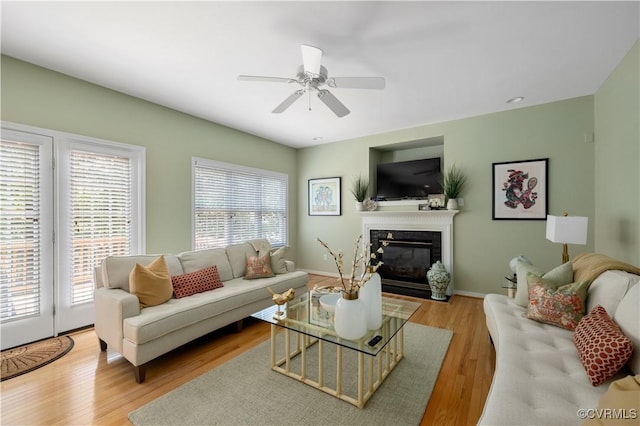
(539, 378)
(142, 334)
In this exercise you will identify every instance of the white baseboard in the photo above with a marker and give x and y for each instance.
(469, 294)
(324, 273)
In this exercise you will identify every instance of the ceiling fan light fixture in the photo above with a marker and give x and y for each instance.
(311, 57)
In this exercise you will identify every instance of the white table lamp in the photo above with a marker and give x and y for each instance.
(567, 230)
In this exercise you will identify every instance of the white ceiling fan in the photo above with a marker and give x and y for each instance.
(312, 76)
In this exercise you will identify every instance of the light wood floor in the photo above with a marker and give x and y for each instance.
(87, 386)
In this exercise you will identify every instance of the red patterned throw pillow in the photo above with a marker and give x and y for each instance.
(196, 282)
(602, 346)
(258, 267)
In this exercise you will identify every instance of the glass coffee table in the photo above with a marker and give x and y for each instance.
(310, 341)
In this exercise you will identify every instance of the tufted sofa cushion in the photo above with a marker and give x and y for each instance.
(539, 378)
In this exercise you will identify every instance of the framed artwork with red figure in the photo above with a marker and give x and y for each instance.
(520, 190)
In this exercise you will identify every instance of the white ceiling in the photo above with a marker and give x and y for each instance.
(441, 60)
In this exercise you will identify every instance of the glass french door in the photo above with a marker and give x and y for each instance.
(26, 236)
(57, 225)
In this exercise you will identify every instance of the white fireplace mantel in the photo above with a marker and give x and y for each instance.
(429, 220)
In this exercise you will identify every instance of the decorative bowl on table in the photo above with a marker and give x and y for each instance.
(328, 302)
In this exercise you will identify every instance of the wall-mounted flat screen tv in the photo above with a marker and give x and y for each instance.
(414, 179)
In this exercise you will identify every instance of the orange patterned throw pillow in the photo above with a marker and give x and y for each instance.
(258, 267)
(602, 346)
(196, 282)
(561, 306)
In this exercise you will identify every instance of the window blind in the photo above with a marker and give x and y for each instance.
(101, 223)
(233, 204)
(20, 229)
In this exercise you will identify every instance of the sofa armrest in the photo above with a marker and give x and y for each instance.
(112, 306)
(291, 267)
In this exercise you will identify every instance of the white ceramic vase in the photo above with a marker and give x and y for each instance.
(359, 206)
(350, 320)
(371, 295)
(452, 204)
(439, 279)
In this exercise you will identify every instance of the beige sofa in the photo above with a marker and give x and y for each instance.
(539, 378)
(141, 335)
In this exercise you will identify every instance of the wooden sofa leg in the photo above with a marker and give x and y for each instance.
(103, 345)
(239, 326)
(140, 371)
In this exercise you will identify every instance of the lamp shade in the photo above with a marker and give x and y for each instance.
(567, 229)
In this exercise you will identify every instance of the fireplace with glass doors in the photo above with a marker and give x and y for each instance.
(407, 257)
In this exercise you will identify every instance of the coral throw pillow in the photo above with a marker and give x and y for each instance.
(258, 267)
(562, 306)
(151, 283)
(602, 346)
(196, 282)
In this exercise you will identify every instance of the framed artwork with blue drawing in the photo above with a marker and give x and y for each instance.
(520, 190)
(324, 197)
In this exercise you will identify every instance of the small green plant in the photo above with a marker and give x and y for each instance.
(360, 188)
(453, 181)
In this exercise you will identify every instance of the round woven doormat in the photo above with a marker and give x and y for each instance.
(24, 359)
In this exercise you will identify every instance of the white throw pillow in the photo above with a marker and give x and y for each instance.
(627, 317)
(608, 290)
(561, 275)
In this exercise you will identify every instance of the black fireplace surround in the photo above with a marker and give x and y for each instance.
(407, 257)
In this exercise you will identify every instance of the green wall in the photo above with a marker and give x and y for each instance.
(482, 246)
(617, 171)
(39, 97)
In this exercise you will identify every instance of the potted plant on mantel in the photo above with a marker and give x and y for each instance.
(360, 191)
(453, 181)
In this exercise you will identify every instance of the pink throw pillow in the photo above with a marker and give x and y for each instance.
(258, 267)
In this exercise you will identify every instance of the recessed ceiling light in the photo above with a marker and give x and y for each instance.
(515, 100)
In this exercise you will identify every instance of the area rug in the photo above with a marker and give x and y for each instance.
(23, 359)
(244, 391)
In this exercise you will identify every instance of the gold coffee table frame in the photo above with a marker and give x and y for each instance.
(374, 364)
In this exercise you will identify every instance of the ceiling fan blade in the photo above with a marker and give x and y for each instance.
(262, 78)
(357, 82)
(287, 102)
(311, 58)
(333, 103)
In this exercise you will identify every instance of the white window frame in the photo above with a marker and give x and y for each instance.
(203, 162)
